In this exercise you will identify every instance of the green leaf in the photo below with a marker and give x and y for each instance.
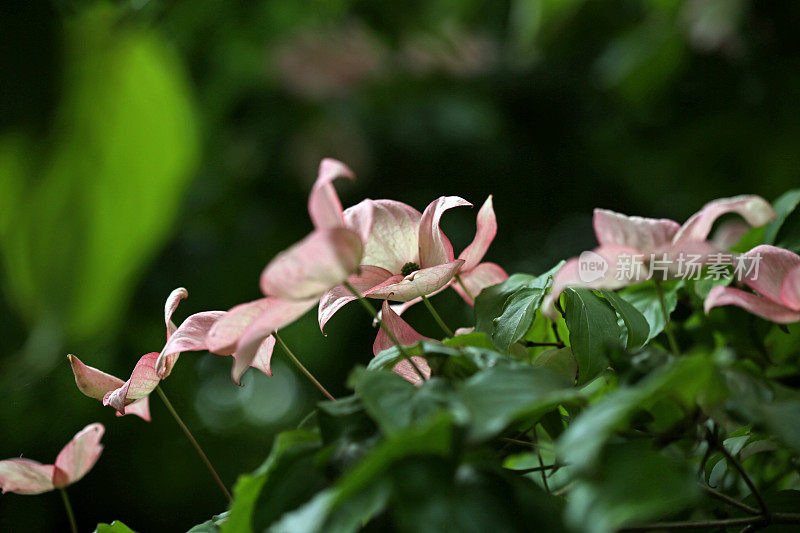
(636, 484)
(445, 360)
(496, 397)
(558, 360)
(644, 297)
(687, 381)
(114, 527)
(286, 479)
(517, 317)
(785, 208)
(635, 322)
(593, 329)
(108, 182)
(320, 514)
(210, 526)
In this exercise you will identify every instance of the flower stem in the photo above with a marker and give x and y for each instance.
(68, 506)
(673, 343)
(374, 314)
(302, 368)
(429, 305)
(466, 290)
(194, 442)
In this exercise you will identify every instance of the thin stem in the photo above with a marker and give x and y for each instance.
(68, 506)
(429, 305)
(389, 333)
(555, 332)
(531, 344)
(464, 287)
(542, 468)
(302, 368)
(761, 520)
(738, 466)
(673, 344)
(730, 501)
(191, 438)
(541, 462)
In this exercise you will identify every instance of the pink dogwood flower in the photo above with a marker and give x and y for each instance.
(627, 243)
(24, 476)
(406, 255)
(407, 336)
(776, 283)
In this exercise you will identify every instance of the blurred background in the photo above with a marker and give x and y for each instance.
(147, 145)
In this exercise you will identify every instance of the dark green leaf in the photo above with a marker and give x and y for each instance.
(593, 329)
(635, 322)
(517, 317)
(558, 360)
(114, 527)
(644, 297)
(786, 227)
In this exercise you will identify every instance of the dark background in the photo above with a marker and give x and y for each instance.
(187, 134)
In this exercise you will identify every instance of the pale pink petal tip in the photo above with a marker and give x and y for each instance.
(322, 260)
(484, 235)
(434, 246)
(173, 300)
(616, 229)
(401, 329)
(753, 209)
(324, 206)
(753, 303)
(92, 382)
(78, 456)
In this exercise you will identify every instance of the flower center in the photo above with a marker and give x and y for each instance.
(408, 268)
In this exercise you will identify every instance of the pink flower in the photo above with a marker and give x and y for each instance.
(406, 255)
(776, 283)
(24, 476)
(626, 244)
(132, 396)
(407, 336)
(294, 280)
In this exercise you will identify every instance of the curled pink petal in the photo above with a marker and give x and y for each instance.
(487, 229)
(616, 229)
(755, 210)
(604, 267)
(92, 382)
(393, 239)
(225, 333)
(23, 476)
(401, 329)
(277, 314)
(322, 260)
(333, 300)
(78, 456)
(171, 305)
(190, 336)
(790, 290)
(420, 283)
(142, 382)
(758, 305)
(263, 356)
(140, 408)
(475, 280)
(324, 206)
(774, 264)
(434, 246)
(464, 331)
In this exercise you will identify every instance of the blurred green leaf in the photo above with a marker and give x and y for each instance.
(108, 182)
(558, 360)
(114, 527)
(644, 297)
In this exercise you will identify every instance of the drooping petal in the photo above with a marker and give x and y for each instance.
(420, 283)
(790, 290)
(171, 305)
(142, 382)
(324, 206)
(475, 280)
(393, 239)
(140, 408)
(401, 329)
(263, 356)
(190, 336)
(755, 210)
(434, 246)
(758, 305)
(23, 476)
(605, 267)
(277, 314)
(322, 260)
(487, 229)
(225, 333)
(78, 456)
(336, 298)
(92, 382)
(616, 229)
(773, 265)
